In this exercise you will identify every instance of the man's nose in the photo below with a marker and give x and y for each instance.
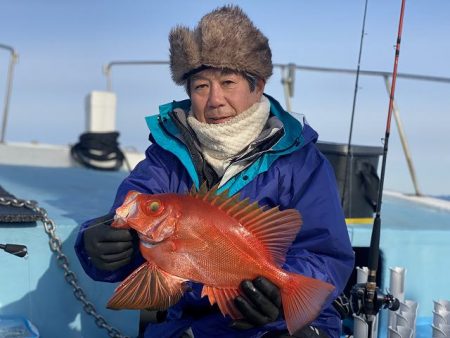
(216, 96)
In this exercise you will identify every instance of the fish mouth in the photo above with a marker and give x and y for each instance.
(121, 216)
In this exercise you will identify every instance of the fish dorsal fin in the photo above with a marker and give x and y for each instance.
(211, 195)
(274, 228)
(224, 299)
(193, 190)
(203, 189)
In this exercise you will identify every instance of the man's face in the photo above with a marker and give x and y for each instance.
(218, 95)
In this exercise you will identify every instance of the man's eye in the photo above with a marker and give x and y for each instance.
(200, 86)
(228, 83)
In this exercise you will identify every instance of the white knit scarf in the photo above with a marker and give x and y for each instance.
(221, 142)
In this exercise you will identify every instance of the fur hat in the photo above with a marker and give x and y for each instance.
(224, 38)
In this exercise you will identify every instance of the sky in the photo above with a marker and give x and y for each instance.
(64, 45)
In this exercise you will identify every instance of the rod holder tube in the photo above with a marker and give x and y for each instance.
(441, 305)
(397, 289)
(360, 326)
(400, 332)
(397, 283)
(362, 273)
(441, 332)
(441, 318)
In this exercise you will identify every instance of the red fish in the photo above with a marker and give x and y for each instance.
(218, 241)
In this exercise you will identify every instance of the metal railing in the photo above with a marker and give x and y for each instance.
(9, 81)
(288, 72)
(107, 68)
(288, 81)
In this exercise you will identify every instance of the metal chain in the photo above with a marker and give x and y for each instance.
(63, 262)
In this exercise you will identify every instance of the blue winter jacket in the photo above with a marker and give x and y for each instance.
(292, 174)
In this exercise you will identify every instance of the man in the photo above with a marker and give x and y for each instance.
(230, 133)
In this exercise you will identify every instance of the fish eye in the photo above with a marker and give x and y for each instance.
(154, 206)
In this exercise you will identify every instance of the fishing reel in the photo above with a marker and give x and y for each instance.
(368, 300)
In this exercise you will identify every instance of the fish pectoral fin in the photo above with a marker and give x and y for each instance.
(224, 299)
(148, 287)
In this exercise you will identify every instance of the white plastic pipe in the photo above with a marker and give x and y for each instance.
(441, 305)
(397, 289)
(360, 326)
(400, 332)
(441, 332)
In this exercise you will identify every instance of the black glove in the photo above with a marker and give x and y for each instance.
(108, 248)
(263, 305)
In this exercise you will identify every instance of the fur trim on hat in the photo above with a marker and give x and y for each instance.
(224, 38)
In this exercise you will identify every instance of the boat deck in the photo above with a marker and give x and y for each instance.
(35, 287)
(413, 236)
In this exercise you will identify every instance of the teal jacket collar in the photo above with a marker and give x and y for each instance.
(165, 133)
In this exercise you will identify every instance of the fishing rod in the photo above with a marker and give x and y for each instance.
(349, 143)
(367, 299)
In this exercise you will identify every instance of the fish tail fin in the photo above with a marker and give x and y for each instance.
(302, 299)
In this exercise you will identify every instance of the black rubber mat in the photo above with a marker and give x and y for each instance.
(12, 214)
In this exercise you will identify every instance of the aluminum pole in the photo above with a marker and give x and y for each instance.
(286, 82)
(403, 140)
(107, 68)
(12, 62)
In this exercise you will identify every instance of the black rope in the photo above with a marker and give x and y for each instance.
(99, 147)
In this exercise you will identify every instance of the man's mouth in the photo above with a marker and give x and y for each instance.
(217, 120)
